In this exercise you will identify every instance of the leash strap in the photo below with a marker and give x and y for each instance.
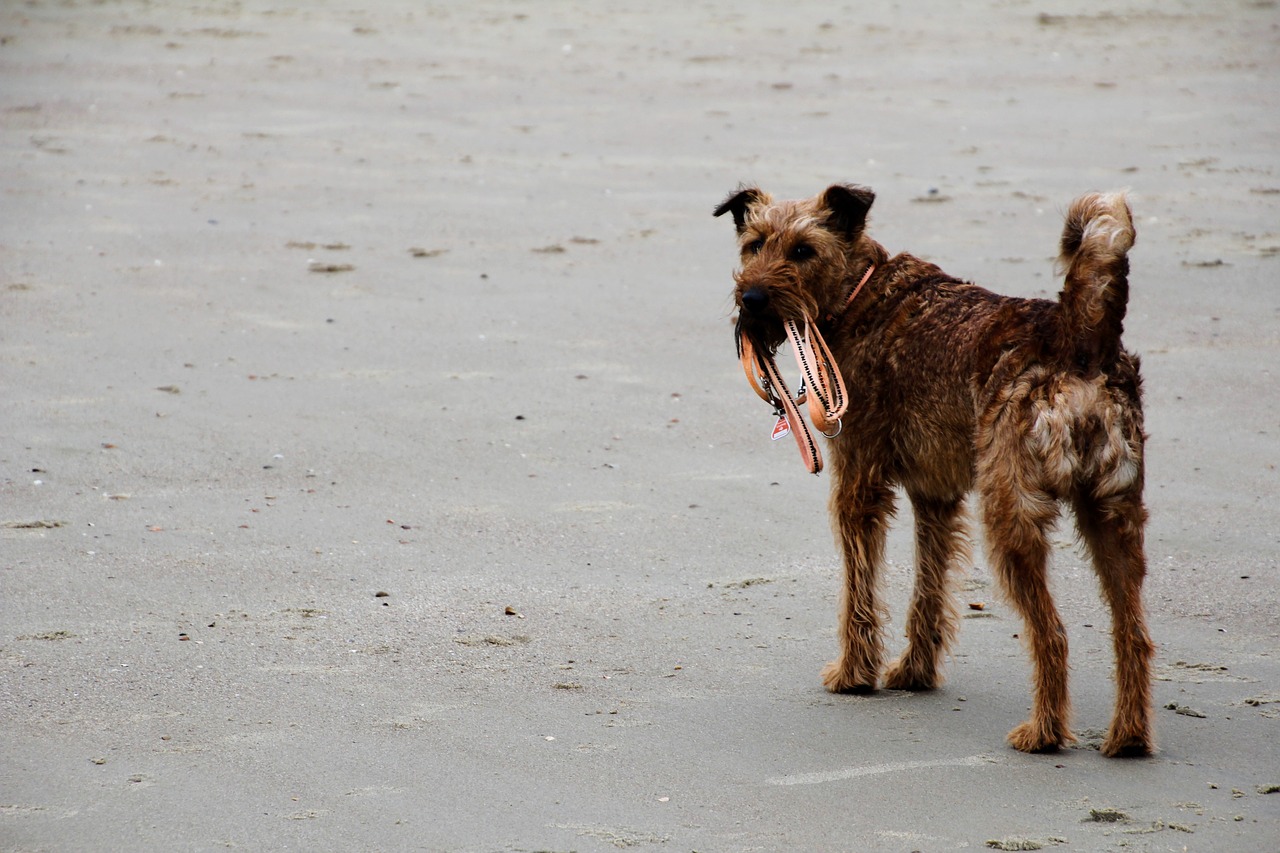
(751, 367)
(809, 451)
(822, 386)
(852, 296)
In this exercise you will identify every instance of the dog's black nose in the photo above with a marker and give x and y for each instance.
(754, 299)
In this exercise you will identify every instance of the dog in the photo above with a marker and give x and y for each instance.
(1032, 403)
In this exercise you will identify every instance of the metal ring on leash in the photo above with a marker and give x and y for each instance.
(839, 429)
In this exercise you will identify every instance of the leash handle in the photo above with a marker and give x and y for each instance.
(826, 393)
(809, 451)
(765, 379)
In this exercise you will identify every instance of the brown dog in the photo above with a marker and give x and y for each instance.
(953, 388)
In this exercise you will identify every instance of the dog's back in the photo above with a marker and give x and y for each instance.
(935, 363)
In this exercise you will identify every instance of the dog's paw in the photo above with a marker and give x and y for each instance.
(1127, 744)
(1043, 736)
(907, 674)
(838, 679)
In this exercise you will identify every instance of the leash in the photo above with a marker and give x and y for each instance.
(866, 276)
(821, 385)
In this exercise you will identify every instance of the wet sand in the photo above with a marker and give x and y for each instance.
(377, 473)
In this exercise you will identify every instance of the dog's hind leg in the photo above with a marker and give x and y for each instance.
(1019, 552)
(1016, 514)
(1112, 528)
(932, 622)
(860, 512)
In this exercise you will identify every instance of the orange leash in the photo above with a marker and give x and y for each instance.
(765, 378)
(822, 386)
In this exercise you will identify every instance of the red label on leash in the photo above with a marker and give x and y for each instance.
(781, 429)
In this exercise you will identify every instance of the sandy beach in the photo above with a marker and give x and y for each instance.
(376, 471)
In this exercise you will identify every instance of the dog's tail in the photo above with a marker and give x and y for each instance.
(1096, 239)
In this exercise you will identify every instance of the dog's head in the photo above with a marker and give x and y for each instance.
(797, 257)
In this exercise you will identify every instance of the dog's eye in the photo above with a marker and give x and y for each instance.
(802, 252)
(754, 247)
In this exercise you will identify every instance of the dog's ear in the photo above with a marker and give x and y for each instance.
(848, 206)
(738, 202)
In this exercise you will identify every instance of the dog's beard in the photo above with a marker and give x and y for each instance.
(764, 337)
(765, 327)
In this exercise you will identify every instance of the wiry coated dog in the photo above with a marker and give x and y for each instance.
(1031, 402)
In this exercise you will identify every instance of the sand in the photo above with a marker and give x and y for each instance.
(377, 473)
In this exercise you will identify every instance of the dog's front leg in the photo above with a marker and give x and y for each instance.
(932, 622)
(860, 512)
